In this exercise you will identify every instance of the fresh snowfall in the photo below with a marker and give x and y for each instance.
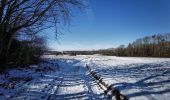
(66, 77)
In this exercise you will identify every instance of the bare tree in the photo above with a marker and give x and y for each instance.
(28, 17)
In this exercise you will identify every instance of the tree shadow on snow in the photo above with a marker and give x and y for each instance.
(151, 78)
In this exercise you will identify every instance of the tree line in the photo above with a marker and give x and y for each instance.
(150, 46)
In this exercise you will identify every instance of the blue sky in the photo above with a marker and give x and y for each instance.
(110, 23)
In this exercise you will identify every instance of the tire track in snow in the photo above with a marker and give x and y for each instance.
(72, 87)
(92, 95)
(55, 89)
(76, 84)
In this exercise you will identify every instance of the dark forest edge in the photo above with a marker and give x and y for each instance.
(22, 25)
(150, 46)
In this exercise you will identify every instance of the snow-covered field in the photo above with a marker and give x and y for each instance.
(66, 77)
(139, 78)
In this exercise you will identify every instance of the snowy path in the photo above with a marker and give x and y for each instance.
(74, 87)
(76, 84)
(69, 82)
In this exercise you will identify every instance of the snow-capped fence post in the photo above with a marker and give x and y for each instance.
(114, 92)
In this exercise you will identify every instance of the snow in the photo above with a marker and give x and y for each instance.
(139, 78)
(66, 77)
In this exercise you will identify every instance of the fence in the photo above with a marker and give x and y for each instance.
(106, 87)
